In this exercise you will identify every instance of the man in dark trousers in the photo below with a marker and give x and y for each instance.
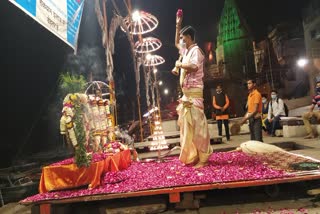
(220, 103)
(254, 111)
(311, 113)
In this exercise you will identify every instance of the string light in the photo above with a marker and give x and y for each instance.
(147, 45)
(153, 60)
(140, 23)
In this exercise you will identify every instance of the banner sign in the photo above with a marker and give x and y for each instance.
(61, 17)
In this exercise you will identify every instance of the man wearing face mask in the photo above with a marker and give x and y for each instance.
(307, 116)
(276, 110)
(221, 103)
(194, 133)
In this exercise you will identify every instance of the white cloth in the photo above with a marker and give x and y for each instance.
(194, 56)
(252, 147)
(194, 132)
(276, 108)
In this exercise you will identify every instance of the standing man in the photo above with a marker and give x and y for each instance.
(307, 116)
(254, 111)
(275, 111)
(220, 103)
(194, 133)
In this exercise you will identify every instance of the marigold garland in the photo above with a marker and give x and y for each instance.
(72, 124)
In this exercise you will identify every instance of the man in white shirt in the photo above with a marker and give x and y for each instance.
(275, 111)
(194, 133)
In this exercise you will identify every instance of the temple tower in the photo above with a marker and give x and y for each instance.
(234, 54)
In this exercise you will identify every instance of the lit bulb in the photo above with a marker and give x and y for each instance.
(302, 62)
(148, 56)
(136, 16)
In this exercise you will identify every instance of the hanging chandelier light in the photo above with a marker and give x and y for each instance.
(147, 45)
(141, 22)
(153, 60)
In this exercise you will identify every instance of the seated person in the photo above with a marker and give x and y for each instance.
(307, 116)
(275, 111)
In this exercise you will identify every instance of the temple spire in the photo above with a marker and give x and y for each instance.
(232, 25)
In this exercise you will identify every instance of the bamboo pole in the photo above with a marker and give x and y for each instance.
(149, 108)
(105, 20)
(111, 82)
(129, 8)
(158, 95)
(140, 121)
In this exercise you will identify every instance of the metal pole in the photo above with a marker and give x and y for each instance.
(140, 121)
(270, 66)
(148, 102)
(158, 95)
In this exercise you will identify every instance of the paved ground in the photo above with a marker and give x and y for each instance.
(308, 147)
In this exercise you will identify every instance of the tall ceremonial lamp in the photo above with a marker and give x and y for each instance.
(144, 47)
(152, 61)
(158, 140)
(139, 23)
(136, 23)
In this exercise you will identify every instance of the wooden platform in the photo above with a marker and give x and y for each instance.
(174, 193)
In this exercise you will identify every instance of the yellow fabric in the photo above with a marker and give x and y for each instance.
(306, 120)
(70, 176)
(194, 134)
(264, 117)
(204, 156)
(193, 92)
(182, 76)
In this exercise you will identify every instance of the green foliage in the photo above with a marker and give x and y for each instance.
(81, 157)
(305, 166)
(71, 83)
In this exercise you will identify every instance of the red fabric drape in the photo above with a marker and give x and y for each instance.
(70, 176)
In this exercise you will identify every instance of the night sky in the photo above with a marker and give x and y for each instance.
(32, 59)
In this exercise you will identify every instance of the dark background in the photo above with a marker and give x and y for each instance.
(32, 59)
